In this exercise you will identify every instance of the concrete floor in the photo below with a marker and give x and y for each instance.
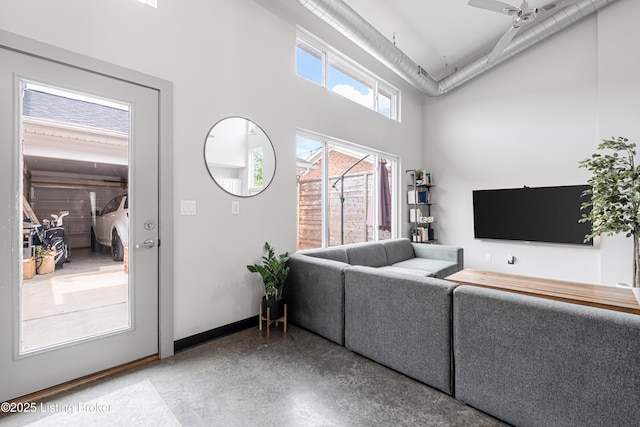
(300, 379)
(86, 297)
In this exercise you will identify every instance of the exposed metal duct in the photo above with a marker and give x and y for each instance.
(344, 19)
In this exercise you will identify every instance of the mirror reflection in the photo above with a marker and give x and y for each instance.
(239, 157)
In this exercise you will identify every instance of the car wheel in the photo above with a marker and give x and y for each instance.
(117, 250)
(95, 246)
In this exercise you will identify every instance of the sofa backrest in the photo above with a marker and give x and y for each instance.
(398, 250)
(333, 253)
(370, 254)
(532, 361)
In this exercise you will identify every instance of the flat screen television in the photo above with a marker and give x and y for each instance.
(532, 214)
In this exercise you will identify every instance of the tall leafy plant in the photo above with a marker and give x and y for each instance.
(274, 272)
(615, 194)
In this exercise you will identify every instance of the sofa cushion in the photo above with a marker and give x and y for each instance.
(335, 254)
(398, 250)
(402, 322)
(535, 362)
(367, 254)
(412, 271)
(437, 268)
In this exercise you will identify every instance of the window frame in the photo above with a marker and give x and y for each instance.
(352, 69)
(325, 142)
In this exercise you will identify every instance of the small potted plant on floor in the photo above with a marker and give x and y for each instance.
(45, 262)
(274, 272)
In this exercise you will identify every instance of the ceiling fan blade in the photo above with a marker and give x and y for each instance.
(557, 5)
(495, 6)
(502, 44)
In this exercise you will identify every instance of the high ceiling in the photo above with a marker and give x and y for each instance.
(438, 35)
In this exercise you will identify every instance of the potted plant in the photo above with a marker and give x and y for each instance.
(419, 176)
(274, 272)
(615, 194)
(45, 262)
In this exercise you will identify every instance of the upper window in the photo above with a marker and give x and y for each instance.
(318, 62)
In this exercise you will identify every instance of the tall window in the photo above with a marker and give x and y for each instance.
(345, 193)
(318, 62)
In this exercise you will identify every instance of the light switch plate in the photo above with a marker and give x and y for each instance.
(235, 207)
(187, 207)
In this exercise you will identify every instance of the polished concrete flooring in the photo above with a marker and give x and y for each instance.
(297, 379)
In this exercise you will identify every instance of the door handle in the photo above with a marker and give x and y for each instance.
(149, 243)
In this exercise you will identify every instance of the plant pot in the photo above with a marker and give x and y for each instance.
(276, 306)
(45, 264)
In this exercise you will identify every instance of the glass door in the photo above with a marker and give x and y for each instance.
(80, 178)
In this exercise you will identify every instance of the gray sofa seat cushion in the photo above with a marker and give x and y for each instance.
(371, 254)
(438, 268)
(398, 250)
(535, 362)
(411, 271)
(402, 322)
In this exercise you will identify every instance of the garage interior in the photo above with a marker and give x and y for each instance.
(75, 159)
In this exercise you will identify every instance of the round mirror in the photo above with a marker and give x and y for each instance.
(239, 156)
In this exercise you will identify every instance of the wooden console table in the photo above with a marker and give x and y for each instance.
(609, 297)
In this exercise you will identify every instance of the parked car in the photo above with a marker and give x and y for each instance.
(111, 227)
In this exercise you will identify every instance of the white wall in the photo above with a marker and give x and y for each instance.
(530, 121)
(225, 58)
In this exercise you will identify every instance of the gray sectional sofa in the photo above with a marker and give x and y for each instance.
(385, 300)
(525, 360)
(316, 288)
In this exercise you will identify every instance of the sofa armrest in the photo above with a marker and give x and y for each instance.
(401, 321)
(314, 293)
(440, 252)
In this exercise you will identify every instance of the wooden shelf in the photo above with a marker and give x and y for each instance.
(607, 297)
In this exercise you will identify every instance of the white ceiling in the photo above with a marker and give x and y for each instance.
(439, 35)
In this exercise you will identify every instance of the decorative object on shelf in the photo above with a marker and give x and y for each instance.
(418, 176)
(428, 179)
(274, 271)
(614, 194)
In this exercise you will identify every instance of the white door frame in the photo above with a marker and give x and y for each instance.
(44, 51)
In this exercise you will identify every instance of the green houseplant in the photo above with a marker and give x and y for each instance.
(614, 194)
(274, 271)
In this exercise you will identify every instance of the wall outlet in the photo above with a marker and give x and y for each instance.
(487, 257)
(187, 207)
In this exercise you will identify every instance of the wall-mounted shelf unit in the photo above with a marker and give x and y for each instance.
(419, 201)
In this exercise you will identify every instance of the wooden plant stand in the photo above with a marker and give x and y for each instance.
(269, 321)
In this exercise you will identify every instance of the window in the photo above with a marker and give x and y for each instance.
(345, 193)
(255, 167)
(327, 67)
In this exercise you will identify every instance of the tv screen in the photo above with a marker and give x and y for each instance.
(534, 214)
